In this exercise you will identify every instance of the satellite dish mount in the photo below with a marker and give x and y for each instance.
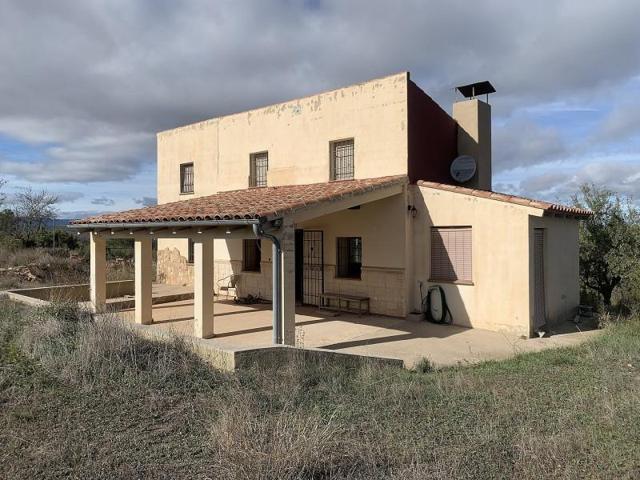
(463, 168)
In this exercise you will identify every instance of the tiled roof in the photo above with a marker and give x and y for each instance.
(504, 197)
(252, 203)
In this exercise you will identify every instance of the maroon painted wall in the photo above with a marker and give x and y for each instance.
(433, 138)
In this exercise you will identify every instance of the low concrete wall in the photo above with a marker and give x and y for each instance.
(75, 293)
(281, 354)
(229, 359)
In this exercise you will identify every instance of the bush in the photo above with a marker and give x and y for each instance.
(9, 243)
(424, 365)
(54, 238)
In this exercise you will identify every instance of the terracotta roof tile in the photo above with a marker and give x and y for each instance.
(252, 203)
(503, 197)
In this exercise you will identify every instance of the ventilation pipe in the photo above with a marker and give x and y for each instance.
(276, 262)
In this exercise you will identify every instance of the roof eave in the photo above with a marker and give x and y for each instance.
(167, 224)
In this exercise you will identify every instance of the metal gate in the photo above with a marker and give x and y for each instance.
(539, 307)
(312, 267)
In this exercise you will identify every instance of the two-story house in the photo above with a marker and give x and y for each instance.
(354, 192)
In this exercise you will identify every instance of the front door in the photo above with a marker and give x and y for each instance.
(312, 266)
(539, 304)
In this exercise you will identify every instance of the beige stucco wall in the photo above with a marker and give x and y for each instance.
(173, 267)
(296, 134)
(501, 295)
(381, 225)
(384, 255)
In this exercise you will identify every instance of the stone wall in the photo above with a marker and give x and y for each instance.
(384, 286)
(172, 267)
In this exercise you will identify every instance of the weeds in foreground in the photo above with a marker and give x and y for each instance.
(90, 398)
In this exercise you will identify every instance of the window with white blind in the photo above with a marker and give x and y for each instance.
(451, 254)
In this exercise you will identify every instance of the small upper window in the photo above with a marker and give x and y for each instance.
(451, 254)
(186, 178)
(251, 255)
(190, 251)
(349, 257)
(258, 166)
(342, 160)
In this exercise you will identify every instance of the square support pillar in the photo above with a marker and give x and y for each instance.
(288, 245)
(143, 280)
(203, 287)
(98, 272)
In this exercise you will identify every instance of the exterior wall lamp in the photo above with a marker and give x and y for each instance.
(412, 210)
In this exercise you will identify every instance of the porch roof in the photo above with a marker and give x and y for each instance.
(549, 208)
(243, 206)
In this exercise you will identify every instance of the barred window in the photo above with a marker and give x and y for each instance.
(258, 166)
(186, 178)
(342, 160)
(251, 255)
(190, 251)
(349, 257)
(451, 254)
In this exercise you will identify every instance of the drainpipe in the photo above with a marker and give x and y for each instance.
(277, 281)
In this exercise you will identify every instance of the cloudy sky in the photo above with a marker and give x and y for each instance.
(85, 85)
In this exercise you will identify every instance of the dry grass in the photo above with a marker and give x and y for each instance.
(86, 399)
(55, 267)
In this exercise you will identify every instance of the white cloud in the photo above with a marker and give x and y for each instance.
(522, 143)
(619, 173)
(90, 82)
(621, 125)
(107, 202)
(146, 201)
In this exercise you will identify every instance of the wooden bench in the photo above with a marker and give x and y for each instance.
(344, 303)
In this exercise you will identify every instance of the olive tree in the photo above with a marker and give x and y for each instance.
(609, 241)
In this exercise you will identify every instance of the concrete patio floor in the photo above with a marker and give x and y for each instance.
(444, 345)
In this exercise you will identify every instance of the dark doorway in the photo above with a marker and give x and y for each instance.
(539, 303)
(299, 264)
(309, 266)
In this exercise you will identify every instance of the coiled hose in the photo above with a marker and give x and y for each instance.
(427, 304)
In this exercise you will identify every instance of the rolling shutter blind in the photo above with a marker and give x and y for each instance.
(451, 254)
(540, 314)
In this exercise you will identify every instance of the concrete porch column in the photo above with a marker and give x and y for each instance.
(98, 272)
(288, 245)
(143, 280)
(203, 287)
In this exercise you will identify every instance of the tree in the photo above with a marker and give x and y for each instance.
(7, 217)
(34, 209)
(3, 196)
(609, 241)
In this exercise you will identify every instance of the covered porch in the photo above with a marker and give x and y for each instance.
(272, 213)
(250, 326)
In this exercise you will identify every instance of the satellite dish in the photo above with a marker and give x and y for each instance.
(463, 168)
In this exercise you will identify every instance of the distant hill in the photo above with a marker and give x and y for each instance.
(58, 223)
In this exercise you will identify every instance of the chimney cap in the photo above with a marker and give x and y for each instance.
(474, 89)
